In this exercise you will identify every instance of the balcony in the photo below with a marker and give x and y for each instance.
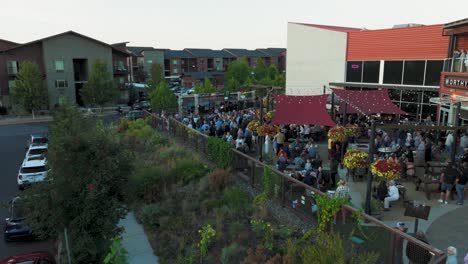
(456, 65)
(120, 70)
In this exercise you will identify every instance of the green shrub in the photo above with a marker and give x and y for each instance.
(232, 253)
(220, 152)
(147, 182)
(236, 199)
(187, 170)
(172, 153)
(234, 229)
(150, 213)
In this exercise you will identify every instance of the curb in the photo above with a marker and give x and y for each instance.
(24, 121)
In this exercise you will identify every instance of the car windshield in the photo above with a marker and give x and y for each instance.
(145, 104)
(17, 209)
(39, 140)
(33, 169)
(37, 151)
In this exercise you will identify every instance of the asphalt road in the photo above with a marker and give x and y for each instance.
(12, 151)
(13, 140)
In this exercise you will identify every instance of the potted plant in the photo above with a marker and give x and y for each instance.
(337, 134)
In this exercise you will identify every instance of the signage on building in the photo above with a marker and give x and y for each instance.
(454, 81)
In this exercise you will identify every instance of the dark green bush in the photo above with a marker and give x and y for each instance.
(187, 170)
(220, 152)
(232, 253)
(147, 182)
(150, 213)
(236, 199)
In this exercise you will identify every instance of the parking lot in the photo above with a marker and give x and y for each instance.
(12, 151)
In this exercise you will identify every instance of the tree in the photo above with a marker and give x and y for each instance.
(162, 98)
(260, 71)
(272, 71)
(30, 90)
(207, 87)
(156, 73)
(100, 88)
(237, 73)
(88, 175)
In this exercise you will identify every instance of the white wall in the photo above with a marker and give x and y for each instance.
(315, 58)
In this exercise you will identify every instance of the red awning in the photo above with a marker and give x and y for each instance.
(302, 110)
(367, 102)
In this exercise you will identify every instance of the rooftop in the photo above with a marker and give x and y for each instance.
(272, 51)
(209, 53)
(328, 27)
(181, 54)
(245, 53)
(138, 50)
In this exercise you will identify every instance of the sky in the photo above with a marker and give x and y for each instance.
(215, 24)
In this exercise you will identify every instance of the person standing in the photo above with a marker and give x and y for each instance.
(461, 182)
(279, 138)
(393, 195)
(451, 255)
(448, 143)
(448, 179)
(428, 150)
(417, 254)
(398, 244)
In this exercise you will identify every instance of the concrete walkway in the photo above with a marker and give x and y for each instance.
(136, 243)
(24, 120)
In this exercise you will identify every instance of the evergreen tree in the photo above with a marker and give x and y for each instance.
(237, 74)
(156, 73)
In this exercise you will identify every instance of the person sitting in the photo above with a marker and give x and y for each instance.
(310, 178)
(417, 254)
(393, 195)
(381, 190)
(308, 165)
(299, 163)
(342, 191)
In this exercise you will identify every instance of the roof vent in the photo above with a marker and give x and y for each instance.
(407, 25)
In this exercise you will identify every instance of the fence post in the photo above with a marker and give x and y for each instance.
(252, 174)
(283, 189)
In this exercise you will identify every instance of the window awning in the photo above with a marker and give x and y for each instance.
(367, 102)
(302, 110)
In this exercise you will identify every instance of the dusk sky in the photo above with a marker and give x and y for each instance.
(210, 23)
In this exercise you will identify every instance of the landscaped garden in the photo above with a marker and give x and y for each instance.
(197, 211)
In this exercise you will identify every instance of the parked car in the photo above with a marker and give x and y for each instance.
(142, 105)
(15, 227)
(37, 138)
(37, 149)
(32, 170)
(40, 257)
(135, 114)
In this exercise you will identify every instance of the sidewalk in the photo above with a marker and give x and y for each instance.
(136, 243)
(23, 120)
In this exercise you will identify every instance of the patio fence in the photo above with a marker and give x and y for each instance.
(373, 236)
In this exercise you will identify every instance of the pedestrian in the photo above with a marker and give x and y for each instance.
(417, 254)
(461, 182)
(451, 255)
(447, 179)
(279, 138)
(398, 243)
(448, 143)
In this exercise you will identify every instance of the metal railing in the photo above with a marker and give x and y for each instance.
(376, 236)
(456, 65)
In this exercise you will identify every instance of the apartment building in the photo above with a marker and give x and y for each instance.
(65, 60)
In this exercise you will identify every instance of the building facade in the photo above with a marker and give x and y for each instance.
(65, 60)
(407, 60)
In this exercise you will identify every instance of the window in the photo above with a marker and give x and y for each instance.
(175, 71)
(59, 66)
(61, 83)
(120, 65)
(354, 71)
(433, 69)
(392, 72)
(12, 67)
(414, 72)
(149, 61)
(11, 84)
(371, 72)
(174, 62)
